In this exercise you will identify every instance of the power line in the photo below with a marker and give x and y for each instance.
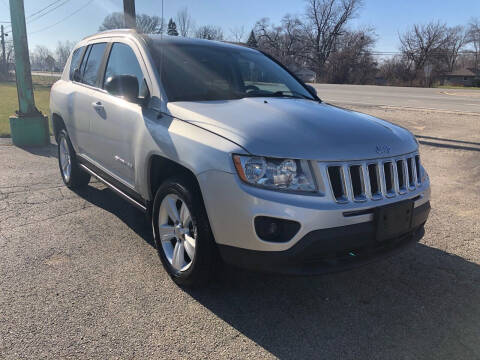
(41, 13)
(46, 7)
(35, 17)
(65, 18)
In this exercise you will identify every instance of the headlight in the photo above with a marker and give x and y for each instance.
(275, 174)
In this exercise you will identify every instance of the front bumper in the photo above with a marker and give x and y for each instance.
(329, 250)
(232, 207)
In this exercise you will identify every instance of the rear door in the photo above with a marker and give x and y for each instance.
(85, 78)
(116, 121)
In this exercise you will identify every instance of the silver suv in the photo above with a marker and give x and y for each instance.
(234, 158)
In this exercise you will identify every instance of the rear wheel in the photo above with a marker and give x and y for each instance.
(71, 173)
(182, 233)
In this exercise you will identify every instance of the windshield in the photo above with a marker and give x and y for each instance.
(199, 73)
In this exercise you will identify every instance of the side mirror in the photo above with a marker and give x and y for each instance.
(76, 75)
(312, 90)
(125, 86)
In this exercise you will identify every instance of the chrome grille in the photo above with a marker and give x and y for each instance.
(373, 179)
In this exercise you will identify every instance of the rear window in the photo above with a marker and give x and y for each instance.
(91, 64)
(76, 58)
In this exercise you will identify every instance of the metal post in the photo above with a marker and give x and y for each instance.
(129, 14)
(29, 126)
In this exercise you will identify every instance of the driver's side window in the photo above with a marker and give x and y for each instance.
(123, 61)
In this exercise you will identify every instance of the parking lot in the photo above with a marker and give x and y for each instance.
(80, 277)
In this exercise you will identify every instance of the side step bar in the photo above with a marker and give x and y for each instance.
(115, 189)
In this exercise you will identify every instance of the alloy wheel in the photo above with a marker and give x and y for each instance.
(177, 232)
(65, 159)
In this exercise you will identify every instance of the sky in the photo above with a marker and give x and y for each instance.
(388, 17)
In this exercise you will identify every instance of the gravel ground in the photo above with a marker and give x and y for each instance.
(80, 278)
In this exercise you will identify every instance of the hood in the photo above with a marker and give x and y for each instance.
(297, 128)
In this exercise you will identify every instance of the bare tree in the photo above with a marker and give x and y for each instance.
(352, 61)
(40, 58)
(423, 43)
(209, 32)
(474, 40)
(62, 52)
(396, 70)
(184, 22)
(286, 42)
(456, 38)
(327, 20)
(238, 33)
(146, 24)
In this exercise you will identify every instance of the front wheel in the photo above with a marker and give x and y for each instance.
(71, 173)
(182, 233)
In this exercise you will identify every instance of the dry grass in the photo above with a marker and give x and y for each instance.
(9, 101)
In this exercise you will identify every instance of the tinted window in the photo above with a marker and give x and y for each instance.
(198, 73)
(122, 61)
(93, 62)
(76, 58)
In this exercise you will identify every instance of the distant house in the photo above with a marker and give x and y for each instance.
(462, 77)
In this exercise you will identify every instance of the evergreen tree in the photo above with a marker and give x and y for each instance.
(172, 28)
(252, 41)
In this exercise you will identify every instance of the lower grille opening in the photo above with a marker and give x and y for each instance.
(417, 165)
(401, 174)
(372, 174)
(411, 181)
(387, 168)
(336, 181)
(356, 176)
(274, 229)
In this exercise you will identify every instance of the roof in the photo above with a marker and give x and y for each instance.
(166, 39)
(180, 40)
(463, 72)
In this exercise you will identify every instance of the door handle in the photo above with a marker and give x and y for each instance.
(97, 105)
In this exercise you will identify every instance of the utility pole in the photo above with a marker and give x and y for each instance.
(3, 68)
(129, 14)
(28, 127)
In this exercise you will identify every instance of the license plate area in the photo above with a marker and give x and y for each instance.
(393, 220)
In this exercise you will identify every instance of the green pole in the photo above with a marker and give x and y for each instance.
(28, 126)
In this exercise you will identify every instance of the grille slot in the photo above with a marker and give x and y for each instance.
(388, 171)
(373, 176)
(401, 175)
(411, 180)
(357, 181)
(417, 166)
(373, 179)
(336, 180)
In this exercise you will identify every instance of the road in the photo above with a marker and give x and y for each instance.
(47, 74)
(80, 278)
(457, 100)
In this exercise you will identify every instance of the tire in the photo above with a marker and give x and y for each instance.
(72, 175)
(186, 267)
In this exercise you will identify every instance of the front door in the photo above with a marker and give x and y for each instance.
(115, 125)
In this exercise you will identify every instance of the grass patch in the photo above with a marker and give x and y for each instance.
(9, 101)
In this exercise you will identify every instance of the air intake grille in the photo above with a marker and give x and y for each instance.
(374, 180)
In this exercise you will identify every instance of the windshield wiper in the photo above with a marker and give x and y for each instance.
(293, 95)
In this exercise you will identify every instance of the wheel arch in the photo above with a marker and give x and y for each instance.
(57, 124)
(161, 168)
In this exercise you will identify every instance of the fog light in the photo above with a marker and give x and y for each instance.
(275, 230)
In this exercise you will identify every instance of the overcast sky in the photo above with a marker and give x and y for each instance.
(388, 17)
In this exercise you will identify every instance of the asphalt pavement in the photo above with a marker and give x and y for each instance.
(453, 100)
(80, 278)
